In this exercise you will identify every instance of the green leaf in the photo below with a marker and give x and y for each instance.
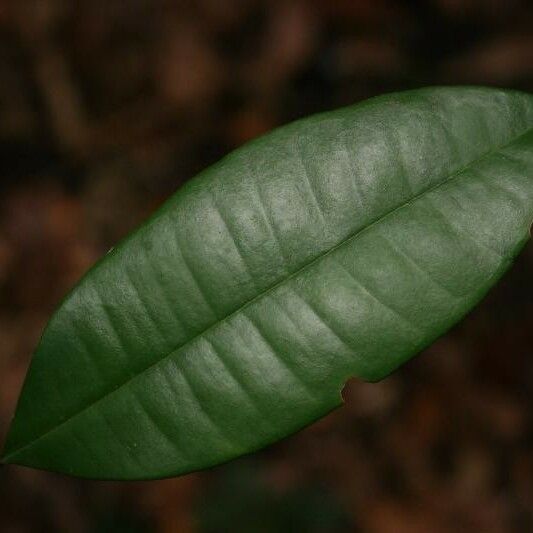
(339, 245)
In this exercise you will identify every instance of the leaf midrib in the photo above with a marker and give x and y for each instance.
(454, 175)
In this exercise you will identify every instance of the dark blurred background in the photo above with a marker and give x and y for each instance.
(107, 106)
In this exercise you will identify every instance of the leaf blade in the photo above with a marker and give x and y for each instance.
(284, 224)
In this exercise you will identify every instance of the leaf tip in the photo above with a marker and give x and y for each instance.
(6, 454)
(4, 458)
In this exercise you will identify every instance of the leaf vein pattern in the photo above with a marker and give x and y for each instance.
(275, 355)
(241, 387)
(452, 176)
(382, 303)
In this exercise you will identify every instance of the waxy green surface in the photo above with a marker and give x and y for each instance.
(337, 246)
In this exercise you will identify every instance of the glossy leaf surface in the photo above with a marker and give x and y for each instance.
(337, 246)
